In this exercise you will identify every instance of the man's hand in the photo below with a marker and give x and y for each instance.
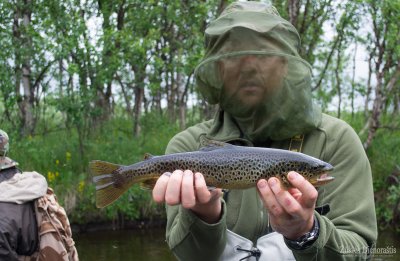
(189, 190)
(291, 212)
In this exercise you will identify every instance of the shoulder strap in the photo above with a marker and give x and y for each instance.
(296, 143)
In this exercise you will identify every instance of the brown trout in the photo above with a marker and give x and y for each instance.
(224, 166)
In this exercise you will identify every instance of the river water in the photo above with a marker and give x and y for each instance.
(123, 245)
(150, 245)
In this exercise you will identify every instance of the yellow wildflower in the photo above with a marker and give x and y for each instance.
(81, 186)
(57, 162)
(50, 176)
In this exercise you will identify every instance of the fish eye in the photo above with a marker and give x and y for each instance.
(316, 167)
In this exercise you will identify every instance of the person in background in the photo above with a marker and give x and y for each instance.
(33, 226)
(253, 71)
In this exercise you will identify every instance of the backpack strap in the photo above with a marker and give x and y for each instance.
(296, 143)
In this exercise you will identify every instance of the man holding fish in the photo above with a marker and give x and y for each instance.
(279, 206)
(253, 71)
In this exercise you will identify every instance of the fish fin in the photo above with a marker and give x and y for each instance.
(209, 145)
(107, 195)
(148, 184)
(147, 156)
(108, 187)
(98, 167)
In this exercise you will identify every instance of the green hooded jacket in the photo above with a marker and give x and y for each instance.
(277, 81)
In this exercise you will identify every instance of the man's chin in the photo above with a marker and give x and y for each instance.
(240, 109)
(251, 101)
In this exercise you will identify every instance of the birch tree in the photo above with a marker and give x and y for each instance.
(385, 60)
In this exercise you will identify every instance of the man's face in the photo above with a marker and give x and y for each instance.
(249, 80)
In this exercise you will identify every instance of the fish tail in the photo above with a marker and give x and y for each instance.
(108, 184)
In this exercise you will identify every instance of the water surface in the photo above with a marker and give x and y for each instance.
(150, 245)
(143, 245)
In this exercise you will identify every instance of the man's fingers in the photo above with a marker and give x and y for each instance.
(188, 198)
(173, 192)
(287, 215)
(160, 187)
(183, 187)
(268, 198)
(202, 193)
(295, 193)
(308, 192)
(284, 199)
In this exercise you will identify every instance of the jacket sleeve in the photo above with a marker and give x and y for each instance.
(192, 239)
(18, 230)
(188, 236)
(349, 230)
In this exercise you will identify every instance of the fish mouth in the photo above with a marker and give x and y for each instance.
(323, 179)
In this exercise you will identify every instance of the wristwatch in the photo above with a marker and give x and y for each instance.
(306, 240)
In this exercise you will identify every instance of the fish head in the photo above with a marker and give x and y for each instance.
(312, 169)
(316, 172)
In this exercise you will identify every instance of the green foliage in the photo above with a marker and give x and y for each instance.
(385, 161)
(384, 154)
(388, 211)
(56, 155)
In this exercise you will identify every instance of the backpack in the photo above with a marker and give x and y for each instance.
(55, 236)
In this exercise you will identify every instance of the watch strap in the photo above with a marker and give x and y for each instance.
(306, 240)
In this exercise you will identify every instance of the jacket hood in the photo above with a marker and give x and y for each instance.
(23, 187)
(252, 69)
